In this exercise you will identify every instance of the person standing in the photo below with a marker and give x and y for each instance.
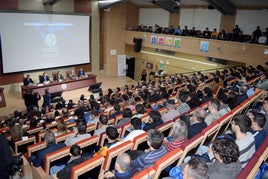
(47, 99)
(143, 75)
(27, 80)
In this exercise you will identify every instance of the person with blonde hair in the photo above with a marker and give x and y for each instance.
(61, 127)
(177, 136)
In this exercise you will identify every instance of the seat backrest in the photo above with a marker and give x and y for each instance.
(94, 165)
(114, 152)
(19, 143)
(189, 145)
(125, 128)
(146, 173)
(91, 128)
(88, 144)
(56, 155)
(139, 141)
(209, 131)
(103, 137)
(63, 137)
(118, 118)
(225, 122)
(35, 147)
(166, 161)
(165, 128)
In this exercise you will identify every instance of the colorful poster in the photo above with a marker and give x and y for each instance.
(204, 46)
(153, 39)
(168, 41)
(177, 42)
(161, 40)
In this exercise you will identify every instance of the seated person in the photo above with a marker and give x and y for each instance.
(171, 113)
(27, 80)
(80, 135)
(81, 73)
(154, 120)
(113, 140)
(156, 151)
(58, 77)
(227, 164)
(196, 168)
(136, 129)
(50, 140)
(64, 171)
(103, 121)
(122, 168)
(72, 75)
(44, 78)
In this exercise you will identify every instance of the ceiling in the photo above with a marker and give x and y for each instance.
(203, 2)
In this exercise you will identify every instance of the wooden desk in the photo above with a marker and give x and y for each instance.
(66, 85)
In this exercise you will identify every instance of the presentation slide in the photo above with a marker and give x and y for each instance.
(32, 41)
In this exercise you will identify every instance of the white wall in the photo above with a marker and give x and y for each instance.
(248, 20)
(152, 16)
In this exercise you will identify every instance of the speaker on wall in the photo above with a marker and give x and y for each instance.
(137, 44)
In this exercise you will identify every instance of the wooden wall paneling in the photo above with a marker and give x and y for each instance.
(9, 4)
(132, 15)
(227, 23)
(174, 19)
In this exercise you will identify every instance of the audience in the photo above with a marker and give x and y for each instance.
(196, 123)
(135, 129)
(171, 111)
(195, 169)
(214, 114)
(183, 107)
(153, 121)
(103, 121)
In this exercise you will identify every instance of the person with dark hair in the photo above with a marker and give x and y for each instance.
(80, 135)
(197, 122)
(50, 140)
(148, 158)
(257, 123)
(6, 157)
(113, 140)
(127, 115)
(240, 125)
(195, 169)
(28, 80)
(214, 114)
(171, 111)
(207, 94)
(242, 96)
(64, 171)
(153, 121)
(227, 165)
(232, 100)
(136, 129)
(140, 109)
(103, 121)
(183, 107)
(47, 100)
(117, 111)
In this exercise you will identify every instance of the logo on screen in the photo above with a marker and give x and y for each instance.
(50, 40)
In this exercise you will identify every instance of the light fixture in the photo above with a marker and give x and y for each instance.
(179, 58)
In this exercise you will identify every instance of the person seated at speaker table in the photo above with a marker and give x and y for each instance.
(27, 80)
(81, 73)
(44, 78)
(72, 75)
(50, 140)
(58, 77)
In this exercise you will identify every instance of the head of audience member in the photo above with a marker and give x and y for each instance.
(155, 139)
(225, 150)
(33, 123)
(207, 92)
(257, 120)
(243, 89)
(240, 124)
(155, 115)
(81, 127)
(122, 163)
(49, 137)
(117, 107)
(171, 104)
(61, 126)
(136, 123)
(140, 109)
(127, 113)
(16, 133)
(195, 169)
(75, 151)
(179, 130)
(112, 133)
(198, 115)
(213, 106)
(64, 112)
(103, 120)
(182, 98)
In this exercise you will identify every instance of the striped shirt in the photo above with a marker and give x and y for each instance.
(246, 148)
(174, 144)
(183, 108)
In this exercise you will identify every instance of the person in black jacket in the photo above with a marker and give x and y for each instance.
(6, 157)
(76, 159)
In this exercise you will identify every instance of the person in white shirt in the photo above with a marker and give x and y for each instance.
(80, 135)
(136, 129)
